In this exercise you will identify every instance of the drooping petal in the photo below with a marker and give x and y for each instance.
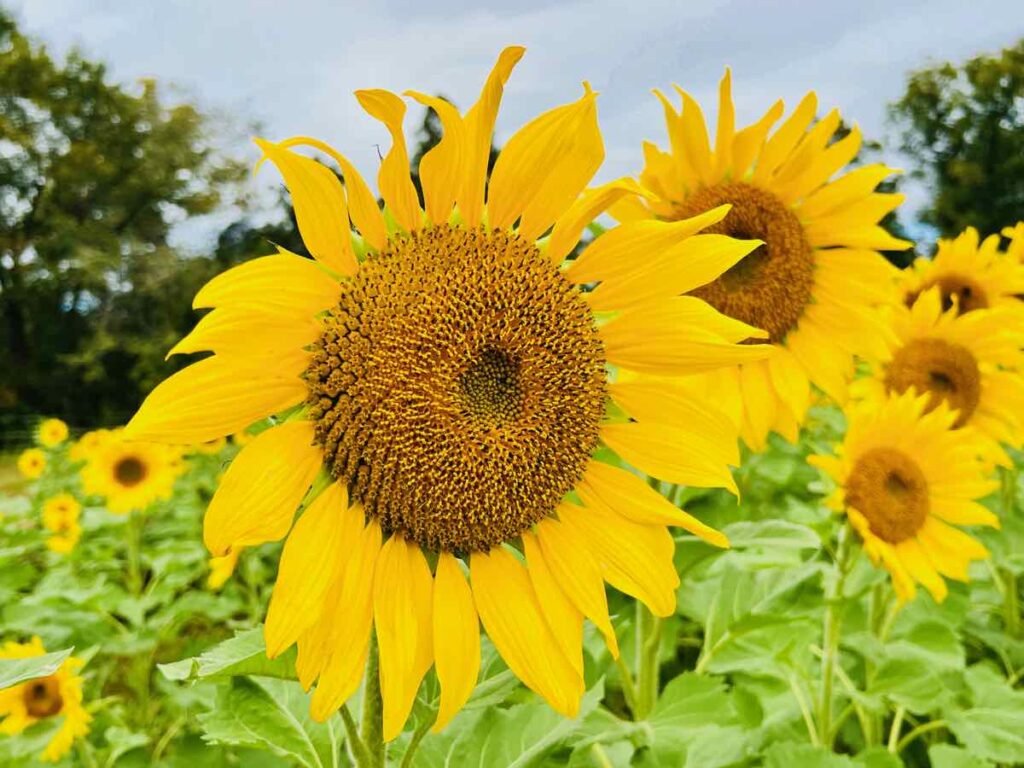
(726, 126)
(393, 179)
(456, 639)
(567, 230)
(563, 618)
(283, 282)
(310, 564)
(215, 397)
(259, 493)
(443, 168)
(512, 616)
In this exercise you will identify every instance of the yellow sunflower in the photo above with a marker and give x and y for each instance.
(88, 443)
(972, 362)
(905, 479)
(131, 475)
(52, 432)
(813, 283)
(222, 568)
(1015, 247)
(32, 463)
(56, 696)
(450, 389)
(60, 516)
(969, 272)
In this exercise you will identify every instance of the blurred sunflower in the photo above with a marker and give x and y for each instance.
(972, 362)
(131, 475)
(56, 696)
(450, 390)
(970, 274)
(1015, 247)
(32, 463)
(88, 443)
(221, 568)
(60, 516)
(905, 479)
(52, 432)
(814, 281)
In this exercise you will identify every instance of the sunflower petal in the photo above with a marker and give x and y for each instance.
(443, 168)
(393, 179)
(563, 618)
(282, 282)
(567, 230)
(456, 639)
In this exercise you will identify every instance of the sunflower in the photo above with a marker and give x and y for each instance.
(52, 432)
(813, 282)
(972, 362)
(1015, 246)
(222, 568)
(445, 395)
(57, 696)
(131, 475)
(60, 516)
(32, 463)
(905, 479)
(969, 272)
(88, 444)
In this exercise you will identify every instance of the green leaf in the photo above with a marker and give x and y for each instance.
(948, 756)
(15, 671)
(273, 714)
(243, 654)
(788, 754)
(771, 534)
(994, 727)
(878, 757)
(910, 682)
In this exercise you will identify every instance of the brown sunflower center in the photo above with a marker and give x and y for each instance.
(458, 387)
(889, 489)
(42, 697)
(947, 372)
(770, 287)
(956, 290)
(129, 471)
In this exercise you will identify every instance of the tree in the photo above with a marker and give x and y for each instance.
(963, 126)
(92, 177)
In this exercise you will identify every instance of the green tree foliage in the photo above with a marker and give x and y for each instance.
(93, 175)
(963, 127)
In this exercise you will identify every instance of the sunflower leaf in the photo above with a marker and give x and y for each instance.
(15, 671)
(243, 654)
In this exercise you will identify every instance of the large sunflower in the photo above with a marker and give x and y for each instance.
(57, 696)
(450, 388)
(970, 274)
(905, 479)
(813, 283)
(130, 475)
(972, 362)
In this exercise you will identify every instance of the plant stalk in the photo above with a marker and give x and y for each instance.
(372, 727)
(832, 630)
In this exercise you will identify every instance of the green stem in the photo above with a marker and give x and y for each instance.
(133, 543)
(356, 747)
(372, 729)
(1011, 603)
(600, 757)
(932, 725)
(648, 641)
(628, 686)
(830, 639)
(894, 732)
(414, 744)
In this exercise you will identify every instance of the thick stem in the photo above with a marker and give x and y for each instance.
(831, 633)
(414, 744)
(648, 639)
(355, 744)
(1011, 603)
(894, 731)
(372, 729)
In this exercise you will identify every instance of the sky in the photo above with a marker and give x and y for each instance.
(292, 66)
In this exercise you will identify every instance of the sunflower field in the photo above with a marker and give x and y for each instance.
(510, 467)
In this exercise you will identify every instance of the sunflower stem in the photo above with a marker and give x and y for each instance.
(133, 543)
(648, 641)
(372, 728)
(355, 744)
(831, 633)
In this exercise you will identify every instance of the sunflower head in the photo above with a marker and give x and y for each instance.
(52, 432)
(32, 463)
(444, 395)
(905, 480)
(131, 475)
(57, 698)
(815, 278)
(60, 517)
(85, 446)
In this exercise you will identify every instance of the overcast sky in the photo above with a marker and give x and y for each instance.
(293, 65)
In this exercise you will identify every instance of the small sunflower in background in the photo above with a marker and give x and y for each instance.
(32, 463)
(971, 362)
(906, 479)
(969, 273)
(222, 568)
(52, 432)
(131, 475)
(61, 515)
(449, 390)
(87, 444)
(57, 697)
(814, 282)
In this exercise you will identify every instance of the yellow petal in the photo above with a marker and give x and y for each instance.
(248, 332)
(562, 617)
(283, 282)
(635, 559)
(629, 496)
(748, 142)
(393, 179)
(782, 142)
(961, 512)
(259, 493)
(916, 562)
(456, 639)
(402, 587)
(320, 207)
(758, 404)
(726, 125)
(310, 563)
(667, 454)
(567, 230)
(344, 640)
(544, 166)
(836, 156)
(216, 397)
(695, 136)
(512, 616)
(577, 575)
(853, 186)
(479, 130)
(443, 168)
